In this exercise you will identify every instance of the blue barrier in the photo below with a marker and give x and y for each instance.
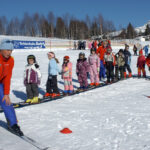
(28, 44)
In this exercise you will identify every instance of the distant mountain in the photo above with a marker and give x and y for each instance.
(142, 28)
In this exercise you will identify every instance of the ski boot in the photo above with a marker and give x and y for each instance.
(15, 129)
(35, 100)
(28, 100)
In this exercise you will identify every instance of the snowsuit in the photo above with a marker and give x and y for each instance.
(127, 56)
(6, 67)
(32, 77)
(141, 65)
(148, 62)
(109, 61)
(101, 52)
(120, 63)
(146, 50)
(67, 76)
(94, 65)
(135, 50)
(53, 70)
(82, 68)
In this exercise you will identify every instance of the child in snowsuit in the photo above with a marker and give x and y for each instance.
(120, 62)
(53, 69)
(141, 64)
(127, 56)
(101, 52)
(67, 75)
(148, 61)
(109, 61)
(94, 66)
(146, 48)
(32, 77)
(82, 69)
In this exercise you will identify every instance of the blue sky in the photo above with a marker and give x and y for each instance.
(121, 12)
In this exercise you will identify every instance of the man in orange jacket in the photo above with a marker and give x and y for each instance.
(6, 67)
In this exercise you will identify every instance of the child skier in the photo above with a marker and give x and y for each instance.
(109, 61)
(32, 77)
(127, 56)
(82, 69)
(148, 61)
(141, 64)
(120, 63)
(67, 75)
(94, 66)
(53, 70)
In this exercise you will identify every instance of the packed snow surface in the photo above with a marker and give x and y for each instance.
(115, 117)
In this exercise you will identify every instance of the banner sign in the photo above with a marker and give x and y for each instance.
(28, 44)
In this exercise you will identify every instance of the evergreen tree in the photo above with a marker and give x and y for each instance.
(130, 32)
(147, 31)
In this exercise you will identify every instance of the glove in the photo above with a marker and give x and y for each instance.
(88, 75)
(36, 66)
(50, 77)
(60, 73)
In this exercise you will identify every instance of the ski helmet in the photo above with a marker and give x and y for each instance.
(81, 54)
(31, 57)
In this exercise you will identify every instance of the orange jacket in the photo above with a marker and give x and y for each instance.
(148, 62)
(101, 52)
(6, 67)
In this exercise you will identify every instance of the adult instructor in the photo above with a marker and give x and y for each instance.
(6, 67)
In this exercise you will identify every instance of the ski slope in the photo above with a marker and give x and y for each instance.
(114, 117)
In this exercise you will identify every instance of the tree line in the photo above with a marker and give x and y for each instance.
(65, 26)
(130, 33)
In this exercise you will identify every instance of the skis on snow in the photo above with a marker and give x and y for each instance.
(24, 137)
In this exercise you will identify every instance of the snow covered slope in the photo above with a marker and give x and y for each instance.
(115, 117)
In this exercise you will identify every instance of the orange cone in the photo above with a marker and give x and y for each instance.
(66, 131)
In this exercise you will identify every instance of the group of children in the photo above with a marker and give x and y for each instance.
(101, 61)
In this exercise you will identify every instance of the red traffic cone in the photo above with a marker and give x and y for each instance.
(66, 131)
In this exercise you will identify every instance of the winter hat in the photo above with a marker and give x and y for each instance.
(121, 51)
(66, 58)
(51, 54)
(109, 49)
(141, 52)
(6, 44)
(31, 57)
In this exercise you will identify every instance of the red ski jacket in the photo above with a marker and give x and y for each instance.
(6, 67)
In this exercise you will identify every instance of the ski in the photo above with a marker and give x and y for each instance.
(147, 96)
(48, 99)
(24, 137)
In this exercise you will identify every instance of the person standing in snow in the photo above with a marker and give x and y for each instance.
(146, 48)
(32, 77)
(127, 56)
(67, 75)
(82, 70)
(101, 52)
(6, 67)
(141, 64)
(94, 66)
(135, 50)
(120, 61)
(109, 62)
(53, 69)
